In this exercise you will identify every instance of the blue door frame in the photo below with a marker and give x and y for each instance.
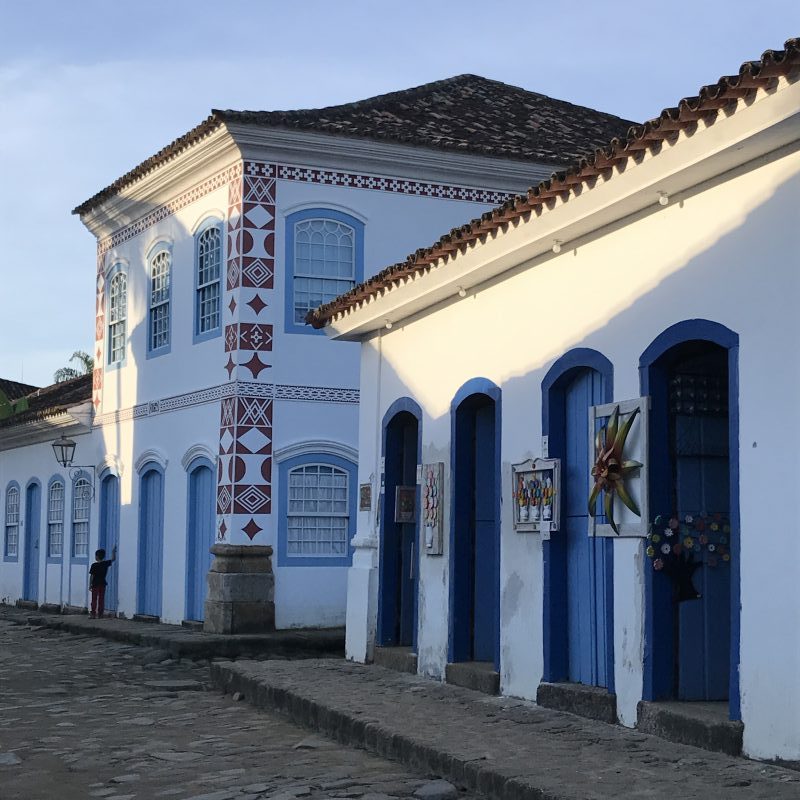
(151, 540)
(564, 631)
(398, 595)
(474, 620)
(199, 535)
(33, 513)
(108, 537)
(653, 367)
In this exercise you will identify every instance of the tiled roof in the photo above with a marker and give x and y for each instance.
(13, 390)
(51, 400)
(706, 105)
(464, 114)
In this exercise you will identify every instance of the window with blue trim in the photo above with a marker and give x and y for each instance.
(324, 257)
(117, 317)
(55, 520)
(158, 327)
(81, 502)
(12, 522)
(317, 510)
(208, 269)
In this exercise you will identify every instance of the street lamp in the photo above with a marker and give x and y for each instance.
(64, 450)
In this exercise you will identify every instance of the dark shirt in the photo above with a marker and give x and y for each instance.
(97, 573)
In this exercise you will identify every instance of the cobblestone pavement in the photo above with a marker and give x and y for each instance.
(506, 748)
(81, 717)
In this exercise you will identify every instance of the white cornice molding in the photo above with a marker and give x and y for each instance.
(320, 150)
(314, 447)
(163, 183)
(757, 130)
(198, 451)
(41, 430)
(111, 464)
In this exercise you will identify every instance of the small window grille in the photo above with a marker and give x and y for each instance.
(209, 259)
(12, 522)
(159, 300)
(117, 317)
(55, 520)
(80, 518)
(317, 517)
(324, 263)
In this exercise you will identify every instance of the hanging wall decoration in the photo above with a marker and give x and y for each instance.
(618, 480)
(536, 486)
(679, 545)
(432, 509)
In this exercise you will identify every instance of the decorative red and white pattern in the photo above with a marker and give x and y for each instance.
(244, 481)
(99, 331)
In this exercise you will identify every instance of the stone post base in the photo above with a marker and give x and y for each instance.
(362, 600)
(241, 590)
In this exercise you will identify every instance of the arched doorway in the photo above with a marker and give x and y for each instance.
(199, 535)
(151, 540)
(399, 551)
(475, 524)
(578, 584)
(691, 623)
(108, 537)
(33, 510)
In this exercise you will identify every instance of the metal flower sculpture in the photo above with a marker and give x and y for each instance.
(610, 468)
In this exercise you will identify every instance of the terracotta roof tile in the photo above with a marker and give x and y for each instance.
(51, 400)
(13, 390)
(464, 114)
(640, 138)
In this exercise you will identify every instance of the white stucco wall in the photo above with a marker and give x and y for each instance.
(724, 252)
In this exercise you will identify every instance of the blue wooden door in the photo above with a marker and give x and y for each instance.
(200, 538)
(703, 485)
(151, 543)
(587, 589)
(109, 535)
(484, 562)
(399, 579)
(33, 509)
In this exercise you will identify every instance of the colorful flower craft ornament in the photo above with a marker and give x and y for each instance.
(611, 468)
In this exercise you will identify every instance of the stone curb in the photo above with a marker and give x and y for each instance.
(355, 731)
(184, 643)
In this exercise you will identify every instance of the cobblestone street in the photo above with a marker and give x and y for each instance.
(81, 717)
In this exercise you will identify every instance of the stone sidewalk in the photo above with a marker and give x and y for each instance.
(180, 642)
(507, 749)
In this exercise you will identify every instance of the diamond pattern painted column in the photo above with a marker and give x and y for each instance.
(244, 481)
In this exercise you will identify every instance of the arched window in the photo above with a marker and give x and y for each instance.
(117, 317)
(55, 520)
(12, 522)
(325, 251)
(159, 317)
(317, 510)
(81, 501)
(208, 269)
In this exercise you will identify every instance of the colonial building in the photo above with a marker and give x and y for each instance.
(217, 415)
(594, 388)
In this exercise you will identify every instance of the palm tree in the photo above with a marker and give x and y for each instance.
(85, 367)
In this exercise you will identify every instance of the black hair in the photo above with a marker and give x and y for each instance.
(101, 554)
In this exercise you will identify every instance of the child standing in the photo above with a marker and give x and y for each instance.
(97, 581)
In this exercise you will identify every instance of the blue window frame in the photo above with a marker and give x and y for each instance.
(324, 258)
(207, 282)
(317, 511)
(117, 315)
(55, 519)
(159, 313)
(11, 523)
(81, 509)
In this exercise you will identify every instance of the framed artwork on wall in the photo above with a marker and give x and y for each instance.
(432, 511)
(536, 487)
(405, 501)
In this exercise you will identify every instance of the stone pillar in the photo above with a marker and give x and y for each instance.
(241, 590)
(362, 600)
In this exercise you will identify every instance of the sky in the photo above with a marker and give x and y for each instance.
(90, 88)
